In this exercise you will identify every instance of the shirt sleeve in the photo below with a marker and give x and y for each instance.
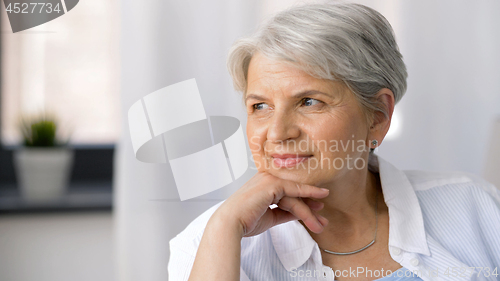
(180, 262)
(243, 275)
(184, 246)
(488, 217)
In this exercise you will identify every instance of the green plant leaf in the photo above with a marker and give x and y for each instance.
(39, 131)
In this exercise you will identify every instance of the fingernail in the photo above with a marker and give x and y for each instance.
(325, 189)
(322, 220)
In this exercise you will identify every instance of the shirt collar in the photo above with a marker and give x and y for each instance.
(294, 245)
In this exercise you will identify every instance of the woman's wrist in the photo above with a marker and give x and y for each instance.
(226, 223)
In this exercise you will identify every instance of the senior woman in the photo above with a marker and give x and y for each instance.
(320, 83)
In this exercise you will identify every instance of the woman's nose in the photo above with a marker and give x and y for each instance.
(282, 127)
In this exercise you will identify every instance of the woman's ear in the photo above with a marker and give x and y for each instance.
(381, 122)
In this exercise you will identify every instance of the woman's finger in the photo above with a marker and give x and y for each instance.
(300, 210)
(294, 189)
(313, 204)
(282, 216)
(321, 219)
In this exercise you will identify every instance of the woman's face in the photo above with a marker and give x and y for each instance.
(291, 112)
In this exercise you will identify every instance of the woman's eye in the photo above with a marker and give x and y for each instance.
(259, 106)
(306, 101)
(310, 101)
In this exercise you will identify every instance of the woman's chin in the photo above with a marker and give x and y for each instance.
(295, 175)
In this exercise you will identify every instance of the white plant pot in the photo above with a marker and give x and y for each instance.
(43, 173)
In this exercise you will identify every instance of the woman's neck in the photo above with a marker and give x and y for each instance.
(350, 210)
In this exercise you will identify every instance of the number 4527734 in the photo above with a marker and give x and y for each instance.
(31, 8)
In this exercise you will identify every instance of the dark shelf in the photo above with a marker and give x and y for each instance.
(80, 196)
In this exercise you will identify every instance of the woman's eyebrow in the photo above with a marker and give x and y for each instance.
(299, 95)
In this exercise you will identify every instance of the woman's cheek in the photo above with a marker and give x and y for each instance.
(258, 158)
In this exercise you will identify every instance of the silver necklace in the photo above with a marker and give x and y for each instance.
(369, 244)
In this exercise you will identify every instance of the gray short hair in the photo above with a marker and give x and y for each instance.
(335, 41)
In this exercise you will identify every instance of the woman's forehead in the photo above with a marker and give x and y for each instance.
(266, 72)
(279, 81)
(261, 67)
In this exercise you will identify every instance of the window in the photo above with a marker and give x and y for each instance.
(68, 66)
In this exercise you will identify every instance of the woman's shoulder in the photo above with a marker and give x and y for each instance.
(448, 183)
(458, 199)
(461, 212)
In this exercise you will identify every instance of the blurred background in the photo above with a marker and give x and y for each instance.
(111, 217)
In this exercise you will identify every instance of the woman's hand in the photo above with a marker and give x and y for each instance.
(249, 205)
(247, 213)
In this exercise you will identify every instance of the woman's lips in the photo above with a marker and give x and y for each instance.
(287, 162)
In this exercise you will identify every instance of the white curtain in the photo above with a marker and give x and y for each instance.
(162, 43)
(447, 115)
(450, 48)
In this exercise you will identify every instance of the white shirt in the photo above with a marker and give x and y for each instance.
(441, 224)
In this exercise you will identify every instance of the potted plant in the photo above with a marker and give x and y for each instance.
(43, 163)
